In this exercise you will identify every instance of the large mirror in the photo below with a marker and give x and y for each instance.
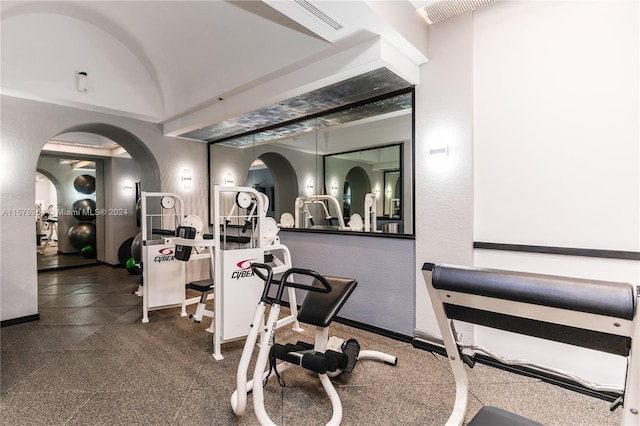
(349, 170)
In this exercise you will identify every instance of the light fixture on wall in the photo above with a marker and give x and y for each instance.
(377, 191)
(334, 188)
(442, 150)
(228, 179)
(128, 186)
(310, 187)
(82, 81)
(187, 179)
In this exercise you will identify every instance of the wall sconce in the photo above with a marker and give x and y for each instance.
(310, 187)
(228, 180)
(128, 186)
(439, 151)
(187, 179)
(334, 188)
(82, 81)
(377, 191)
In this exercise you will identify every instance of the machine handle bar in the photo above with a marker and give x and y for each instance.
(282, 283)
(326, 287)
(255, 267)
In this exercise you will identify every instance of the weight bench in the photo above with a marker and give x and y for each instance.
(592, 314)
(327, 357)
(203, 286)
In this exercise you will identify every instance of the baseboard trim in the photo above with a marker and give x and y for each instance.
(376, 330)
(562, 382)
(20, 320)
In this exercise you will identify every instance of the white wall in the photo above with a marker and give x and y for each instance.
(26, 127)
(556, 124)
(120, 220)
(556, 157)
(444, 185)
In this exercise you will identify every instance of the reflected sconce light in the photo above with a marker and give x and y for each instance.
(82, 81)
(228, 179)
(128, 186)
(187, 179)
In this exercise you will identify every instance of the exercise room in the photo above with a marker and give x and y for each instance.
(286, 212)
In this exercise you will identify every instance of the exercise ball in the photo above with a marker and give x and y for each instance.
(84, 210)
(85, 184)
(136, 248)
(82, 234)
(124, 252)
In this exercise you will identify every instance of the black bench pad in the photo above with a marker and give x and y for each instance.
(597, 297)
(320, 309)
(492, 416)
(201, 285)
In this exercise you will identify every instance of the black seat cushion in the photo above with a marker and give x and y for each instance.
(492, 416)
(320, 309)
(591, 296)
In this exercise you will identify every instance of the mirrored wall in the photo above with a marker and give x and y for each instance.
(349, 170)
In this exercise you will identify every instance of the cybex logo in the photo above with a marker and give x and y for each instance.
(166, 254)
(244, 269)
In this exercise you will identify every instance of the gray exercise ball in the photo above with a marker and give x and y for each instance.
(82, 234)
(136, 248)
(84, 210)
(85, 184)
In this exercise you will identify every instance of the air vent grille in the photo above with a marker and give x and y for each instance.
(448, 8)
(320, 14)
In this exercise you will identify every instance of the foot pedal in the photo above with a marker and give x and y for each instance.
(351, 348)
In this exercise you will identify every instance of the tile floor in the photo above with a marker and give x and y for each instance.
(52, 260)
(90, 361)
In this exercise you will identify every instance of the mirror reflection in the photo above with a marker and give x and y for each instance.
(347, 171)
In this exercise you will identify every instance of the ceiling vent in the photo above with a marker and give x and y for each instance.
(324, 17)
(445, 9)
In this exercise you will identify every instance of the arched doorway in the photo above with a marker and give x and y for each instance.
(115, 177)
(356, 186)
(285, 183)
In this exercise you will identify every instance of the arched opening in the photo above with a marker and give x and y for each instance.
(94, 222)
(357, 184)
(278, 170)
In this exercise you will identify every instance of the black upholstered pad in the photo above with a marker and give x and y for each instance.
(201, 285)
(320, 309)
(596, 297)
(492, 416)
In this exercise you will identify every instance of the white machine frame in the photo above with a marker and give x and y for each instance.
(302, 212)
(260, 372)
(576, 319)
(168, 290)
(262, 242)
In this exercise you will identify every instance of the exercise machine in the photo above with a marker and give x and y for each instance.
(304, 217)
(166, 231)
(245, 235)
(328, 357)
(48, 223)
(597, 315)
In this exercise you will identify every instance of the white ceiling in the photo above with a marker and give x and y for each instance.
(189, 64)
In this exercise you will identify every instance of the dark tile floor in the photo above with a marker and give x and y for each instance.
(90, 361)
(52, 260)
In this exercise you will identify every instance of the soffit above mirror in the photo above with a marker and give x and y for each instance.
(351, 91)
